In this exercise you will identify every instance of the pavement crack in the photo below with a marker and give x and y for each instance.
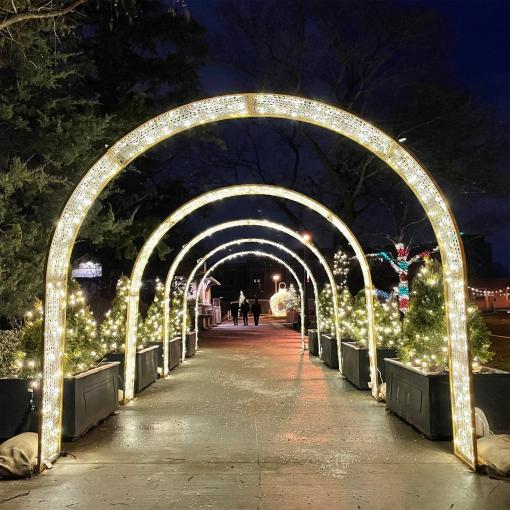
(14, 497)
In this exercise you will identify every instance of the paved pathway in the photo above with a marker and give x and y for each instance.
(252, 423)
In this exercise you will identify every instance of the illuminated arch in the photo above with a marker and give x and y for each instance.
(238, 242)
(263, 105)
(218, 228)
(257, 253)
(236, 191)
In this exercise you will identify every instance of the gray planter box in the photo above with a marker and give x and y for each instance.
(191, 344)
(174, 353)
(18, 407)
(423, 400)
(146, 366)
(313, 342)
(329, 350)
(356, 364)
(89, 398)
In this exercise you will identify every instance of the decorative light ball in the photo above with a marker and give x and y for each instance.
(278, 300)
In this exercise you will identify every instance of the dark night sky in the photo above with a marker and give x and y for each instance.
(480, 58)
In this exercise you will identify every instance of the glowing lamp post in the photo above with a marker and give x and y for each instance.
(276, 279)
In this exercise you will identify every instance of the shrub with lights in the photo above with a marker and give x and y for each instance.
(345, 309)
(388, 328)
(292, 300)
(424, 343)
(151, 329)
(112, 330)
(176, 304)
(22, 347)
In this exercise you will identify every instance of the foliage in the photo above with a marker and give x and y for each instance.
(9, 348)
(292, 300)
(70, 85)
(151, 328)
(176, 304)
(23, 345)
(341, 268)
(388, 328)
(424, 342)
(112, 330)
(326, 310)
(83, 347)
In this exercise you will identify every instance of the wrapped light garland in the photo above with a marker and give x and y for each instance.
(112, 330)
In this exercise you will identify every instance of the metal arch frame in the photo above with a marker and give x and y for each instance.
(218, 228)
(236, 243)
(245, 253)
(263, 105)
(236, 191)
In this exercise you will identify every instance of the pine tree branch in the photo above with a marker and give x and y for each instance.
(27, 15)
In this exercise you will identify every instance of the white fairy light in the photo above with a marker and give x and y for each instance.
(245, 106)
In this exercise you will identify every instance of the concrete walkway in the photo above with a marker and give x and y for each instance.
(252, 423)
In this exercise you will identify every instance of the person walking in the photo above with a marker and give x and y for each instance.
(255, 310)
(234, 310)
(245, 309)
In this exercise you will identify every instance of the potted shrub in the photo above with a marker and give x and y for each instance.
(355, 358)
(328, 340)
(418, 388)
(90, 389)
(150, 334)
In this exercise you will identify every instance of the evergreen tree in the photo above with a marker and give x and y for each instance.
(176, 303)
(424, 342)
(242, 298)
(112, 330)
(386, 321)
(292, 300)
(326, 310)
(151, 329)
(83, 347)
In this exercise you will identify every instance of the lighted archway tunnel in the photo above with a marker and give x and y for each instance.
(237, 242)
(227, 258)
(236, 191)
(219, 228)
(249, 105)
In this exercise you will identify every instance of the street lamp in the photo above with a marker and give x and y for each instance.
(276, 279)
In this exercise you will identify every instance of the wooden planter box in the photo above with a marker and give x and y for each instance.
(89, 398)
(329, 350)
(313, 342)
(146, 366)
(356, 364)
(174, 353)
(191, 344)
(423, 400)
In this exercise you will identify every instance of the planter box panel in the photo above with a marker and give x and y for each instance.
(191, 344)
(329, 350)
(146, 367)
(89, 398)
(423, 400)
(356, 363)
(17, 408)
(313, 342)
(175, 352)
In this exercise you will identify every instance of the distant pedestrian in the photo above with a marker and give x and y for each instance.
(245, 309)
(234, 310)
(255, 310)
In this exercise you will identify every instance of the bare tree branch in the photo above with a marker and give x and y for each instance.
(17, 17)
